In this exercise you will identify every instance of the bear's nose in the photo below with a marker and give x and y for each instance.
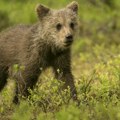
(69, 39)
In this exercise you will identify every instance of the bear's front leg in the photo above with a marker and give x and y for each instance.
(67, 78)
(25, 79)
(62, 70)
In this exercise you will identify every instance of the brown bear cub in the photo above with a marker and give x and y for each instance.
(42, 45)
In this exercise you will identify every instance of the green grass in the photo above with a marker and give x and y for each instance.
(95, 65)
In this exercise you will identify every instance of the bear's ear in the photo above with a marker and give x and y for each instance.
(41, 11)
(73, 6)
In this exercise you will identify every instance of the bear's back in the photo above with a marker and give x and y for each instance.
(10, 40)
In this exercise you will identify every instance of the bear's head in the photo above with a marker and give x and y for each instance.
(58, 27)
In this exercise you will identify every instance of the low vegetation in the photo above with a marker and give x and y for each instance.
(95, 65)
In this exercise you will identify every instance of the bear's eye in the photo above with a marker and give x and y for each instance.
(59, 26)
(72, 25)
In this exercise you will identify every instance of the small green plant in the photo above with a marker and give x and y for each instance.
(49, 95)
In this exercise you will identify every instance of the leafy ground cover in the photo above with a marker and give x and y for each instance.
(95, 65)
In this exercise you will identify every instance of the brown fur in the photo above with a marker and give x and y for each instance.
(39, 46)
